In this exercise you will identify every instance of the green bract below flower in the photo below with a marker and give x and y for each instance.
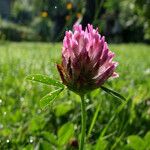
(86, 60)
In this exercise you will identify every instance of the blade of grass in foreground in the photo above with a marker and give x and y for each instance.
(118, 110)
(113, 93)
(94, 119)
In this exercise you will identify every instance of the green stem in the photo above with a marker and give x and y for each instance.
(83, 117)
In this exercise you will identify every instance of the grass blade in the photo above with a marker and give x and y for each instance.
(113, 93)
(118, 110)
(94, 120)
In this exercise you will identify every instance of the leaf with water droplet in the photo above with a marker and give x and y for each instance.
(49, 98)
(44, 79)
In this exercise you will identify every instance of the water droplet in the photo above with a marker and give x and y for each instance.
(75, 127)
(87, 100)
(24, 114)
(147, 71)
(21, 99)
(4, 113)
(1, 101)
(31, 139)
(39, 111)
(7, 141)
(93, 130)
(69, 102)
(55, 7)
(148, 102)
(32, 78)
(1, 126)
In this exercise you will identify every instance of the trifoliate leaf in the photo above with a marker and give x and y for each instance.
(48, 99)
(44, 79)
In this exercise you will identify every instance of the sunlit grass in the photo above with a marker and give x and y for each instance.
(24, 124)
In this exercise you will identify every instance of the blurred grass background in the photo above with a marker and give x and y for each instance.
(23, 125)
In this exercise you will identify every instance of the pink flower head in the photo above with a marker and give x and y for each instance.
(86, 60)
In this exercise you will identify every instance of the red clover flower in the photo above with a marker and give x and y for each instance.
(86, 60)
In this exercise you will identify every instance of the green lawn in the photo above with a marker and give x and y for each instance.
(24, 125)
